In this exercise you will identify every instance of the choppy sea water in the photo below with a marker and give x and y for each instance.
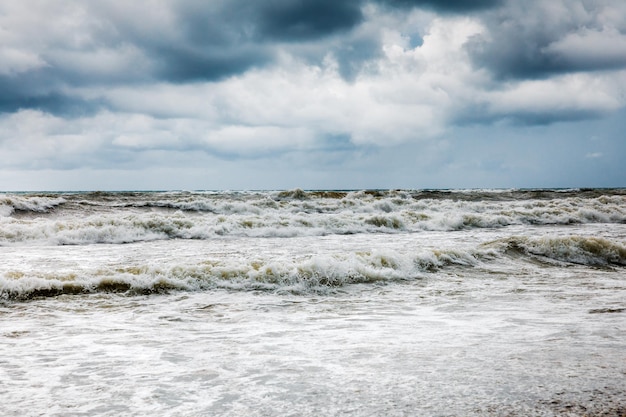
(395, 303)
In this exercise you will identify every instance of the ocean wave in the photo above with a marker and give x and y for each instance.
(86, 218)
(11, 203)
(128, 227)
(591, 251)
(302, 274)
(318, 274)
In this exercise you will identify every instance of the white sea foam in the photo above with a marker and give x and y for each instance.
(304, 273)
(76, 219)
(298, 268)
(471, 303)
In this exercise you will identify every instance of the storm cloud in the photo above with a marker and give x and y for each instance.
(113, 85)
(455, 6)
(538, 39)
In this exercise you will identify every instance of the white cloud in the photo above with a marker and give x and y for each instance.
(566, 93)
(252, 140)
(14, 61)
(33, 139)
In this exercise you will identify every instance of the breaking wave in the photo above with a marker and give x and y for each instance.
(591, 251)
(314, 274)
(86, 218)
(10, 204)
(32, 221)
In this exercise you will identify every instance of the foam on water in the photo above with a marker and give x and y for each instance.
(444, 347)
(308, 303)
(286, 272)
(296, 269)
(78, 219)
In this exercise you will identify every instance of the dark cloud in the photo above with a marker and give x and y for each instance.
(537, 42)
(451, 6)
(41, 92)
(296, 20)
(211, 42)
(200, 41)
(54, 103)
(531, 57)
(195, 41)
(513, 56)
(185, 64)
(482, 114)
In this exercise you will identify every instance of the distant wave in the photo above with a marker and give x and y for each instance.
(87, 218)
(11, 203)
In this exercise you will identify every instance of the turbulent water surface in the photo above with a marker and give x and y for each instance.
(365, 303)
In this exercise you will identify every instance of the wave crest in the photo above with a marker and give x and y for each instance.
(86, 218)
(318, 274)
(9, 204)
(581, 250)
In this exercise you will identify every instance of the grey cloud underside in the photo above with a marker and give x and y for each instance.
(211, 42)
(449, 6)
(181, 65)
(53, 103)
(229, 38)
(478, 114)
(42, 92)
(203, 43)
(208, 42)
(515, 57)
(229, 41)
(247, 40)
(527, 44)
(290, 20)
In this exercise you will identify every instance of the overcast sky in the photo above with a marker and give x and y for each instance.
(274, 94)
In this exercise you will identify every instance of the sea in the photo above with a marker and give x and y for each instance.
(313, 303)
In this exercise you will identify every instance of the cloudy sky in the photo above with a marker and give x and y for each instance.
(273, 94)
